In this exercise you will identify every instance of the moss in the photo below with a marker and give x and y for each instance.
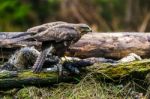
(88, 86)
(4, 75)
(121, 70)
(7, 74)
(33, 93)
(26, 93)
(30, 74)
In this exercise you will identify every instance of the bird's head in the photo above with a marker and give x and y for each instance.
(83, 28)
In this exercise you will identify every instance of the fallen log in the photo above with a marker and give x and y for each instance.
(7, 50)
(111, 45)
(108, 45)
(116, 73)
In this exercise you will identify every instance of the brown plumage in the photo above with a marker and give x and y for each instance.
(28, 35)
(56, 35)
(59, 37)
(43, 27)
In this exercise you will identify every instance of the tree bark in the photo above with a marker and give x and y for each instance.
(107, 71)
(108, 45)
(111, 45)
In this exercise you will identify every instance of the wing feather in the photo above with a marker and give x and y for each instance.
(58, 35)
(45, 26)
(31, 33)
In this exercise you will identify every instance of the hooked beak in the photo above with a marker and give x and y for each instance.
(90, 30)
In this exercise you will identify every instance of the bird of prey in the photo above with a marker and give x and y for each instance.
(12, 38)
(56, 36)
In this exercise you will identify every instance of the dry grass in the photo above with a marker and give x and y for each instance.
(87, 88)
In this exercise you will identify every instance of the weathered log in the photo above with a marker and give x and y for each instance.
(7, 50)
(137, 69)
(25, 78)
(108, 45)
(111, 45)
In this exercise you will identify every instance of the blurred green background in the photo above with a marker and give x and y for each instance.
(101, 15)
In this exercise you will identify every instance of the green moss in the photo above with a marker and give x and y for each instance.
(6, 74)
(33, 93)
(26, 93)
(122, 69)
(30, 74)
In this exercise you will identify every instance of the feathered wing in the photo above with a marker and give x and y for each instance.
(31, 33)
(58, 34)
(45, 26)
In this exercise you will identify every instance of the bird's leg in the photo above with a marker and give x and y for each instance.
(60, 67)
(37, 67)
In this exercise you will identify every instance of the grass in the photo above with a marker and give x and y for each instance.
(87, 88)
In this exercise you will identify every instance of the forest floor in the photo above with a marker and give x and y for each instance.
(89, 87)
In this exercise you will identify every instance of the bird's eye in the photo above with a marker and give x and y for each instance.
(84, 27)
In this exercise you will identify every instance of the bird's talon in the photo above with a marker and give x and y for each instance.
(36, 70)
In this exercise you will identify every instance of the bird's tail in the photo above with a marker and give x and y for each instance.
(14, 40)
